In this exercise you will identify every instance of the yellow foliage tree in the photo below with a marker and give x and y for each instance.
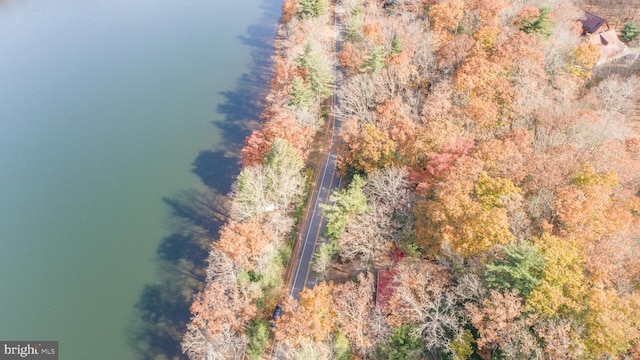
(370, 149)
(312, 318)
(612, 323)
(491, 192)
(486, 36)
(587, 176)
(583, 58)
(455, 219)
(563, 285)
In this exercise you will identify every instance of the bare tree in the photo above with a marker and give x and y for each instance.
(357, 97)
(617, 93)
(249, 193)
(221, 269)
(560, 339)
(226, 344)
(389, 186)
(353, 305)
(322, 260)
(588, 136)
(365, 236)
(556, 50)
(469, 288)
(422, 299)
(311, 351)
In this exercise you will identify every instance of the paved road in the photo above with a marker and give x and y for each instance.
(328, 181)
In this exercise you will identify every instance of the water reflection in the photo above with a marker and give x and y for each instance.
(162, 313)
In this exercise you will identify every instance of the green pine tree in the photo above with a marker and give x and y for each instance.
(541, 25)
(301, 93)
(346, 203)
(520, 270)
(320, 75)
(375, 60)
(629, 32)
(258, 336)
(402, 345)
(311, 8)
(396, 46)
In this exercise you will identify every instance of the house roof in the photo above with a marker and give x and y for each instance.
(592, 22)
(608, 43)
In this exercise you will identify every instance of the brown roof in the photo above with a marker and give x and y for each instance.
(608, 43)
(591, 23)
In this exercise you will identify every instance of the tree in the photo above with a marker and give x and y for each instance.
(389, 186)
(350, 58)
(445, 17)
(531, 21)
(502, 323)
(396, 45)
(394, 119)
(583, 58)
(560, 338)
(629, 32)
(519, 271)
(374, 62)
(289, 9)
(216, 309)
(450, 56)
(617, 93)
(508, 157)
(492, 192)
(612, 323)
(486, 36)
(314, 318)
(365, 235)
(453, 218)
(403, 344)
(357, 99)
(275, 185)
(421, 299)
(319, 72)
(243, 243)
(369, 148)
(353, 302)
(250, 194)
(301, 93)
(226, 344)
(563, 286)
(490, 93)
(285, 179)
(461, 345)
(342, 347)
(311, 8)
(346, 204)
(588, 213)
(258, 336)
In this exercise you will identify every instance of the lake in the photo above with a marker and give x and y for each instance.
(112, 114)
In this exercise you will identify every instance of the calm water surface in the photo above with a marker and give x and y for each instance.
(104, 106)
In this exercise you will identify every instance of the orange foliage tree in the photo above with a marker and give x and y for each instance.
(244, 242)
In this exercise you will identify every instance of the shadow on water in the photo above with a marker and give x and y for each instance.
(162, 313)
(242, 105)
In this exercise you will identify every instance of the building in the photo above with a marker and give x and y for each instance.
(593, 24)
(609, 44)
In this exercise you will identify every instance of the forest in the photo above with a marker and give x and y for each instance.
(491, 202)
